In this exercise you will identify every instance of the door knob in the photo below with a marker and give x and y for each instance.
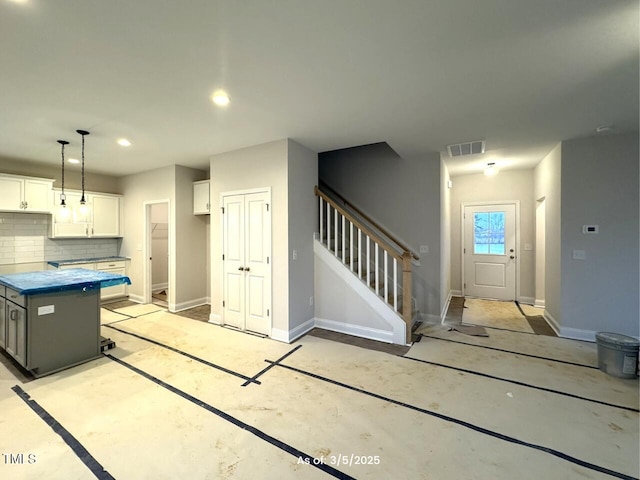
(247, 269)
(240, 269)
(512, 257)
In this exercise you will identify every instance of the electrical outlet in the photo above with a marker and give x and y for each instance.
(311, 301)
(424, 248)
(579, 255)
(295, 254)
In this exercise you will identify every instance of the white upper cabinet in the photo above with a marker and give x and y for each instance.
(25, 194)
(201, 202)
(105, 221)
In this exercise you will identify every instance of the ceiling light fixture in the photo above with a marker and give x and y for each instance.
(63, 215)
(73, 160)
(491, 170)
(84, 208)
(220, 98)
(123, 142)
(604, 128)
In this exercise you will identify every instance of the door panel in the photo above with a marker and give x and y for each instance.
(247, 247)
(490, 251)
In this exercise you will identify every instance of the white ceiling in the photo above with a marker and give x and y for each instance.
(330, 74)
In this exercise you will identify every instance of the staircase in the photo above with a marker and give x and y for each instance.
(369, 252)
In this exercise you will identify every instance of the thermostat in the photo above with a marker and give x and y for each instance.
(590, 229)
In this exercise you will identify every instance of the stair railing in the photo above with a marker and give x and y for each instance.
(342, 231)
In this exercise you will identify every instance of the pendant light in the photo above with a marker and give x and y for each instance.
(491, 170)
(84, 210)
(63, 212)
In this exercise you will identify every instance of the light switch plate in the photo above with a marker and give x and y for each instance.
(528, 246)
(46, 310)
(424, 248)
(579, 255)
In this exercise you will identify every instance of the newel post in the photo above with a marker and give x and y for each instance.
(407, 310)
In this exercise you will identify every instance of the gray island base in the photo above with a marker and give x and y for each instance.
(50, 320)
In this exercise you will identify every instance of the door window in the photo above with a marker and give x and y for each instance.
(488, 233)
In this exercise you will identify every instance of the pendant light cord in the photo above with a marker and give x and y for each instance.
(82, 133)
(62, 195)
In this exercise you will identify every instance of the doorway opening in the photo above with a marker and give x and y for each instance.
(540, 252)
(157, 254)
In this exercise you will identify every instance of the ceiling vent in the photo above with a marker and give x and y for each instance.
(468, 148)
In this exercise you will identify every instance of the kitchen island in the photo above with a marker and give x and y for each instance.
(50, 320)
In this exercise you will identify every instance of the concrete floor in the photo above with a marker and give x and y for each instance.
(180, 398)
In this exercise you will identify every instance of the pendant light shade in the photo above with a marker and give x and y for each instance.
(84, 211)
(63, 211)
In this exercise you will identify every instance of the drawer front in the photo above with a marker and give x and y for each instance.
(110, 265)
(88, 266)
(16, 298)
(3, 291)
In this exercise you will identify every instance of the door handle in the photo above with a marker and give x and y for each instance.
(512, 257)
(240, 269)
(247, 269)
(13, 315)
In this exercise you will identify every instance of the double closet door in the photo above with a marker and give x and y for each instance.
(246, 221)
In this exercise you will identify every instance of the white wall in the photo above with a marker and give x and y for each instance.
(547, 185)
(445, 239)
(600, 186)
(249, 168)
(303, 222)
(403, 196)
(507, 185)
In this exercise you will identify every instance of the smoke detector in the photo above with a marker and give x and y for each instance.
(468, 148)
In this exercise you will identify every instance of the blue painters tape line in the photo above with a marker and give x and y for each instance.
(511, 351)
(272, 364)
(188, 355)
(544, 389)
(468, 425)
(82, 453)
(239, 423)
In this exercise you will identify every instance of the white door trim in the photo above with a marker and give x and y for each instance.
(267, 191)
(462, 237)
(147, 249)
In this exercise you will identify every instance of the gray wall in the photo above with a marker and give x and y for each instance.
(547, 185)
(254, 167)
(303, 219)
(445, 238)
(72, 178)
(191, 236)
(402, 195)
(507, 185)
(600, 186)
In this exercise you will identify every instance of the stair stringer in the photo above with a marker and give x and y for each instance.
(345, 304)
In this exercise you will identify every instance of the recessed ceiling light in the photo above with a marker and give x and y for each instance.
(123, 142)
(73, 160)
(604, 128)
(220, 98)
(491, 169)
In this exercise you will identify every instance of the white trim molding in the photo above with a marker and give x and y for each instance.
(356, 330)
(178, 307)
(526, 300)
(215, 318)
(538, 303)
(293, 334)
(572, 333)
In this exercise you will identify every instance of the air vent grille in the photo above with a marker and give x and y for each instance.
(468, 148)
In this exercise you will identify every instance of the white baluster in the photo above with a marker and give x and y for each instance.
(344, 243)
(368, 260)
(351, 245)
(386, 276)
(359, 254)
(321, 219)
(336, 232)
(377, 269)
(329, 226)
(395, 284)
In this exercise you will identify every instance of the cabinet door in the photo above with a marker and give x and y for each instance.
(12, 193)
(116, 290)
(3, 323)
(37, 195)
(71, 229)
(106, 216)
(88, 266)
(201, 205)
(16, 341)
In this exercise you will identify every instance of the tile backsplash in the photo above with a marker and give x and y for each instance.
(24, 239)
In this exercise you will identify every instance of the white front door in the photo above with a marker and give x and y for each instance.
(490, 251)
(247, 270)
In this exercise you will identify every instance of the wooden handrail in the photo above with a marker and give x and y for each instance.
(385, 244)
(368, 219)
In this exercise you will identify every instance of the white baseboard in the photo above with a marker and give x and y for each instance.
(215, 318)
(178, 307)
(526, 300)
(553, 323)
(578, 334)
(445, 308)
(538, 302)
(292, 335)
(155, 288)
(456, 293)
(350, 329)
(430, 318)
(136, 298)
